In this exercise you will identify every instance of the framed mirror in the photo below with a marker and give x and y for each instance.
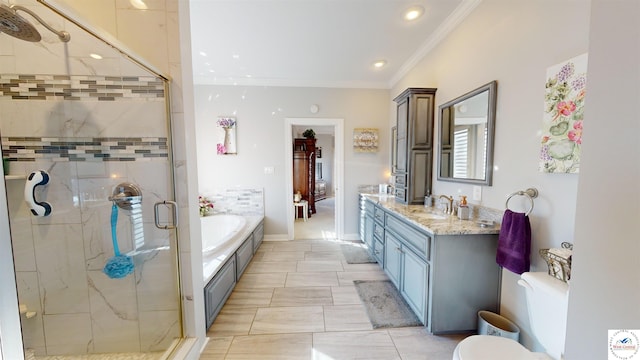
(467, 129)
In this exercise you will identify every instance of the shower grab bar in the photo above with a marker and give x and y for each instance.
(36, 178)
(174, 214)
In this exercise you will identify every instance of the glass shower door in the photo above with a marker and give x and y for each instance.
(75, 130)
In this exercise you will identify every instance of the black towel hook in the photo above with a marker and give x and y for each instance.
(530, 193)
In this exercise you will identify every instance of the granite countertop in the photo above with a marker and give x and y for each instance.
(431, 219)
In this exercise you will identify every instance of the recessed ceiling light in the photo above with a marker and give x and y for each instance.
(96, 56)
(379, 64)
(413, 13)
(202, 53)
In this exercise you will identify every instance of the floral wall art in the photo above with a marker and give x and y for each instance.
(365, 139)
(226, 136)
(563, 116)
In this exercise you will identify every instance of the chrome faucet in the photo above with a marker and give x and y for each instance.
(449, 209)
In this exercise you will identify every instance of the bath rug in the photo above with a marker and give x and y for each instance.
(356, 254)
(384, 305)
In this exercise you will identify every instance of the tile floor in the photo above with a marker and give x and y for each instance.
(296, 300)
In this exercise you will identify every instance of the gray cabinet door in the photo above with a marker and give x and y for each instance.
(244, 255)
(421, 121)
(218, 290)
(402, 136)
(415, 283)
(420, 176)
(258, 235)
(392, 258)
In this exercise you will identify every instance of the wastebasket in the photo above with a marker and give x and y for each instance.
(493, 324)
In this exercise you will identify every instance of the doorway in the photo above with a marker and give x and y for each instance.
(332, 205)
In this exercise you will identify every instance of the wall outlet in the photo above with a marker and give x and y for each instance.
(268, 170)
(477, 193)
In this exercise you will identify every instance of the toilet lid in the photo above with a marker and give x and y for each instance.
(492, 347)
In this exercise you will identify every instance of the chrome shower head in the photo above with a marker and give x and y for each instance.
(15, 25)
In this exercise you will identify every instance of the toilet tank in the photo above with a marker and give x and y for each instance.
(547, 302)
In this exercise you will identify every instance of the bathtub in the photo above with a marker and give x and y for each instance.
(221, 237)
(218, 230)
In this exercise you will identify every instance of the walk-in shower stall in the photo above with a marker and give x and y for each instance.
(86, 145)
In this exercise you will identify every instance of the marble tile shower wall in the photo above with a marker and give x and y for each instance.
(88, 146)
(246, 202)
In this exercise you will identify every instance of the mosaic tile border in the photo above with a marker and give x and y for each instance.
(81, 87)
(85, 149)
(238, 201)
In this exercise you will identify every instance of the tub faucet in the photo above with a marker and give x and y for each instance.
(449, 209)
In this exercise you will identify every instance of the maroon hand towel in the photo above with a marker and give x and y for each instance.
(514, 242)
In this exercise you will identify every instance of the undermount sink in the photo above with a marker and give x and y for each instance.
(431, 216)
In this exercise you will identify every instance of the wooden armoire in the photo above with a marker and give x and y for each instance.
(304, 171)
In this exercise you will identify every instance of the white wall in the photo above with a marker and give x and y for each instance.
(605, 288)
(260, 112)
(513, 43)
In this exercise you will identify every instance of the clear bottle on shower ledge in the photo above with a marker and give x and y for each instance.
(463, 208)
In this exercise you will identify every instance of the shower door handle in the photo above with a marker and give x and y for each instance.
(173, 208)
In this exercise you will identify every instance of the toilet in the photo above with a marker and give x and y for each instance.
(547, 300)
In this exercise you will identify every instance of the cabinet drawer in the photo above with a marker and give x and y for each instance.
(419, 240)
(379, 215)
(400, 179)
(378, 231)
(369, 207)
(401, 194)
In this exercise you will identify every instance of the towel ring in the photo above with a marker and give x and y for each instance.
(530, 193)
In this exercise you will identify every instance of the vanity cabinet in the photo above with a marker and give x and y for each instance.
(465, 279)
(413, 148)
(445, 279)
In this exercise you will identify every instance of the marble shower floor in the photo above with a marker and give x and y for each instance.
(297, 301)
